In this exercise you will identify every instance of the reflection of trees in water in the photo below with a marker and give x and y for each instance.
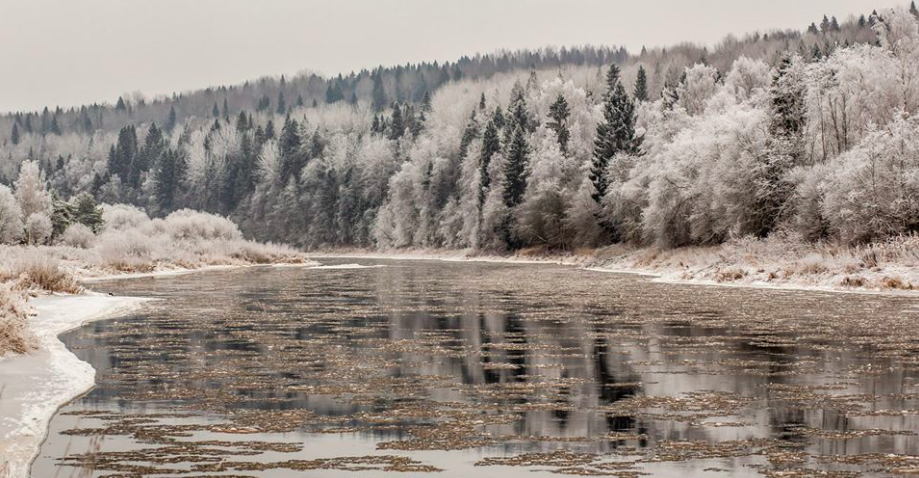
(481, 315)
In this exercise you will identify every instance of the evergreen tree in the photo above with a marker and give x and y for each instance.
(491, 145)
(641, 85)
(226, 109)
(215, 111)
(397, 124)
(426, 106)
(834, 25)
(559, 113)
(515, 174)
(171, 121)
(379, 94)
(291, 158)
(121, 155)
(813, 29)
(282, 103)
(121, 105)
(61, 216)
(269, 130)
(85, 211)
(913, 9)
(788, 101)
(615, 134)
(334, 94)
(299, 101)
(825, 25)
(482, 104)
(263, 103)
(169, 177)
(55, 128)
(242, 122)
(14, 135)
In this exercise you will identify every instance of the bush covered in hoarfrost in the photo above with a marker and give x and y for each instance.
(78, 236)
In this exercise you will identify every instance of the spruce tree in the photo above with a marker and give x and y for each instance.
(825, 25)
(215, 111)
(14, 135)
(55, 128)
(559, 113)
(291, 159)
(242, 122)
(615, 134)
(641, 85)
(913, 9)
(282, 104)
(169, 176)
(379, 94)
(397, 124)
(515, 174)
(226, 109)
(491, 145)
(171, 121)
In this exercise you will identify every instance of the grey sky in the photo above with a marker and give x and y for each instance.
(70, 52)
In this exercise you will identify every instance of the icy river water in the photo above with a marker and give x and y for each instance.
(425, 368)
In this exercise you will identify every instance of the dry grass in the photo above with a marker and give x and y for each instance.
(15, 336)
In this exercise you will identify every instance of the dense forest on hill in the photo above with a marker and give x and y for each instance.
(781, 132)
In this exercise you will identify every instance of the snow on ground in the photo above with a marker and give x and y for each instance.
(34, 386)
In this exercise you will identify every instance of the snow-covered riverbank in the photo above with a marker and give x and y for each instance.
(892, 266)
(35, 385)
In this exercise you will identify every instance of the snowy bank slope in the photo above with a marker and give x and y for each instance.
(34, 386)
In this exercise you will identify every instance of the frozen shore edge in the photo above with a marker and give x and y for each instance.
(590, 263)
(36, 385)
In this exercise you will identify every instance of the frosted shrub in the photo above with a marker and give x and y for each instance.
(188, 224)
(126, 251)
(122, 216)
(38, 228)
(79, 236)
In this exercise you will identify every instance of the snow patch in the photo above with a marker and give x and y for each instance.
(34, 386)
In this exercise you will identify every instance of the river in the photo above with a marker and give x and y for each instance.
(458, 369)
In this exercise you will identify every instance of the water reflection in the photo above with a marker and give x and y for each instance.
(478, 361)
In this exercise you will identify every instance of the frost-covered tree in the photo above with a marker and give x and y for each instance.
(10, 217)
(30, 189)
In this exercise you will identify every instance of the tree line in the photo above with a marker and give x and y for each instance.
(787, 133)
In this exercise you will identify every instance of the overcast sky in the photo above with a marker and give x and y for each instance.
(70, 52)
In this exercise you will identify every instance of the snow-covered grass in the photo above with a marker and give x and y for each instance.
(778, 261)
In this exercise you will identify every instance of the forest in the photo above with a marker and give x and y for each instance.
(812, 135)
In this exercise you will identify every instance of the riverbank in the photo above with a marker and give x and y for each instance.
(33, 386)
(892, 266)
